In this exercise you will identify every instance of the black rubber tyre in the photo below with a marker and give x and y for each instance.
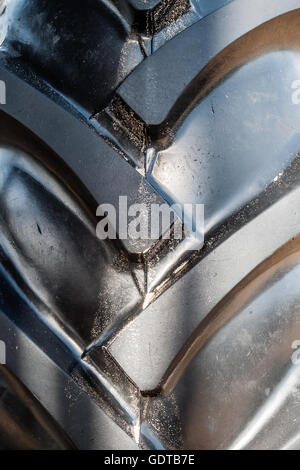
(149, 344)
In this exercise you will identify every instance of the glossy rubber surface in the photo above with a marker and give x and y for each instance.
(156, 345)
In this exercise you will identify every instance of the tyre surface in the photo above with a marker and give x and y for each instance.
(143, 344)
